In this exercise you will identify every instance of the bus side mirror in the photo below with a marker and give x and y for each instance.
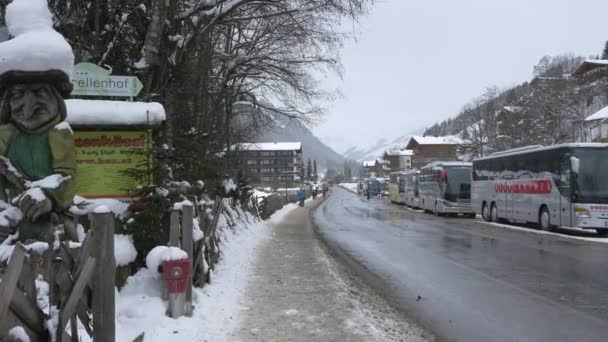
(575, 165)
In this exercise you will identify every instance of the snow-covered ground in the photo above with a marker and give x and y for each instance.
(349, 186)
(139, 307)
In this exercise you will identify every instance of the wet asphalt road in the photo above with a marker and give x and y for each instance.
(468, 281)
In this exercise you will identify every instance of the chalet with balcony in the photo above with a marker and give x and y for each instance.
(430, 149)
(595, 127)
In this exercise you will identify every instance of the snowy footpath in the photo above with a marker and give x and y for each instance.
(297, 293)
(140, 308)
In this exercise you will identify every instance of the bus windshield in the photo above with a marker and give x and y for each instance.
(592, 179)
(458, 183)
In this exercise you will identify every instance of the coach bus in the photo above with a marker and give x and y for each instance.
(560, 185)
(409, 183)
(395, 187)
(445, 188)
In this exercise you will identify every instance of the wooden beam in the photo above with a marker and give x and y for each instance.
(28, 312)
(187, 246)
(104, 310)
(174, 229)
(69, 309)
(10, 279)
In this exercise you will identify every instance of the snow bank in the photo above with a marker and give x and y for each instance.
(10, 216)
(18, 334)
(85, 206)
(119, 113)
(50, 182)
(124, 250)
(349, 186)
(180, 205)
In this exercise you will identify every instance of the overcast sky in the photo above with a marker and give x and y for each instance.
(416, 62)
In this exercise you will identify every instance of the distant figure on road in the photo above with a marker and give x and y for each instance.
(314, 193)
(368, 193)
(301, 196)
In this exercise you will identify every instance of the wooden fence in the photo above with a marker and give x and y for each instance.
(81, 285)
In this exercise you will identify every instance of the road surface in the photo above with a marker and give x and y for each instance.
(470, 281)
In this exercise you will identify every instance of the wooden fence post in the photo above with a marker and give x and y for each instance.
(9, 281)
(187, 246)
(174, 229)
(104, 311)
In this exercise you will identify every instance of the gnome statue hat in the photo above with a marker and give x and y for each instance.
(36, 53)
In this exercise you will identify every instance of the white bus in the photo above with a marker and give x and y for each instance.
(445, 188)
(409, 183)
(395, 188)
(561, 185)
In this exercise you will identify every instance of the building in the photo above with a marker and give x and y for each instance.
(591, 69)
(595, 127)
(275, 165)
(375, 168)
(399, 160)
(430, 149)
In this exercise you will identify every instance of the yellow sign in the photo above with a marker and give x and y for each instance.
(102, 157)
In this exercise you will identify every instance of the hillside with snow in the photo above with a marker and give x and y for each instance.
(378, 149)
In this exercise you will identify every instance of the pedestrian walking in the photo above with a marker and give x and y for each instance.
(301, 196)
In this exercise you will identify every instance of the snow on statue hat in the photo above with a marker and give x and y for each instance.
(37, 53)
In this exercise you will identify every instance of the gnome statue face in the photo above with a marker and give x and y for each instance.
(33, 105)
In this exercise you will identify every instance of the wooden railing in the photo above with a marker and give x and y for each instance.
(81, 285)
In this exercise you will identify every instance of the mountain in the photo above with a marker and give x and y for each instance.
(312, 147)
(378, 149)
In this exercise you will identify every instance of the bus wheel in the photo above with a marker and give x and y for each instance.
(544, 220)
(485, 213)
(602, 232)
(494, 213)
(436, 212)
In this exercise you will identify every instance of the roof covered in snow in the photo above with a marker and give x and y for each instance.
(274, 146)
(369, 163)
(600, 115)
(397, 152)
(447, 140)
(590, 64)
(114, 113)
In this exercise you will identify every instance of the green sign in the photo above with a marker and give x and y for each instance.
(103, 156)
(92, 80)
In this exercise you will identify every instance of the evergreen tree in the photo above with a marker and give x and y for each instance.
(605, 53)
(314, 170)
(309, 170)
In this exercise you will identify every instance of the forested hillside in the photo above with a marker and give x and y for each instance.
(548, 109)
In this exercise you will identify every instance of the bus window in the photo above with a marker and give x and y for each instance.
(565, 180)
(458, 183)
(591, 181)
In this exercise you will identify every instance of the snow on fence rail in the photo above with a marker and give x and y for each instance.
(71, 273)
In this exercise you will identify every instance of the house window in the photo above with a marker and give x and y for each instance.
(266, 162)
(252, 162)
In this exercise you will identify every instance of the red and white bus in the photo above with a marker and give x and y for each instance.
(560, 185)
